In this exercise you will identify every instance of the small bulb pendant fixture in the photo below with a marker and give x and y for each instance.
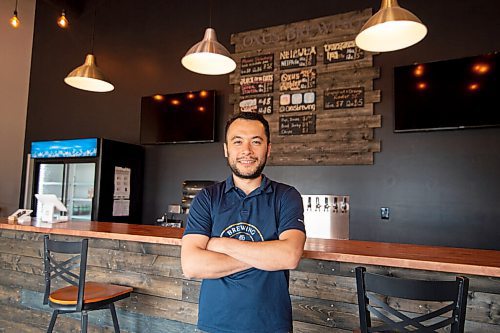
(391, 28)
(62, 21)
(14, 20)
(88, 77)
(209, 57)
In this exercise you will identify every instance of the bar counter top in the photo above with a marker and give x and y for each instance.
(433, 258)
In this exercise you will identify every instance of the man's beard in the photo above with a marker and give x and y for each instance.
(253, 175)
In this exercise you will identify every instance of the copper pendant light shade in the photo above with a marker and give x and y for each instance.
(209, 57)
(391, 28)
(88, 77)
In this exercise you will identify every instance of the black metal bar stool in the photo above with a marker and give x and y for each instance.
(376, 294)
(79, 296)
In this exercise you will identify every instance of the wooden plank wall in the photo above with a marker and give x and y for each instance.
(323, 292)
(342, 135)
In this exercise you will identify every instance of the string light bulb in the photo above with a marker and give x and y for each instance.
(62, 21)
(14, 20)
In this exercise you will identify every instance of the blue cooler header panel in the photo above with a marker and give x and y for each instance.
(64, 148)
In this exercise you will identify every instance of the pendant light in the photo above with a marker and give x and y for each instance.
(62, 21)
(14, 20)
(391, 28)
(208, 56)
(88, 76)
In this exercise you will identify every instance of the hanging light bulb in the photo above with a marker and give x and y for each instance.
(88, 76)
(391, 28)
(62, 21)
(14, 20)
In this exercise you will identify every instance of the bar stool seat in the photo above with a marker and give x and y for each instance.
(93, 292)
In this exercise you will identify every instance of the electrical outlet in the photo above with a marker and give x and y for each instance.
(384, 213)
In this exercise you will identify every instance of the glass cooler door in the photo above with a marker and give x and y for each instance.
(80, 190)
(50, 181)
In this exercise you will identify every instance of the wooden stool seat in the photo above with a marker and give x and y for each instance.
(94, 292)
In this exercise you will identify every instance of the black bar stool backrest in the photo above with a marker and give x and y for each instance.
(65, 269)
(374, 289)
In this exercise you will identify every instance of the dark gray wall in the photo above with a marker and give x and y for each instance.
(442, 187)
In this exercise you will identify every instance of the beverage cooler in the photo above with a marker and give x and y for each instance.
(96, 179)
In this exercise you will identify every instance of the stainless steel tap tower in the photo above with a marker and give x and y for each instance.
(326, 216)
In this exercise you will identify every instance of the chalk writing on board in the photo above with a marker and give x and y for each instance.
(297, 125)
(257, 64)
(344, 98)
(298, 80)
(298, 102)
(263, 105)
(343, 51)
(260, 84)
(299, 57)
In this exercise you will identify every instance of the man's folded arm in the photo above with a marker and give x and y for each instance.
(274, 255)
(199, 263)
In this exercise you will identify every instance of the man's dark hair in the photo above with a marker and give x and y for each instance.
(249, 116)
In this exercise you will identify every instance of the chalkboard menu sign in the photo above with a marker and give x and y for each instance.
(263, 105)
(298, 102)
(343, 51)
(298, 80)
(258, 64)
(260, 84)
(344, 98)
(319, 75)
(297, 125)
(296, 58)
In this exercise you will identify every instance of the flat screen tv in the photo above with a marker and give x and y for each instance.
(187, 117)
(451, 94)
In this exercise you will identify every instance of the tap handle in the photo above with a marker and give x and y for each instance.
(309, 203)
(326, 204)
(344, 205)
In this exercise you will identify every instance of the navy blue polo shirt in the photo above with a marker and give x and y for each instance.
(251, 301)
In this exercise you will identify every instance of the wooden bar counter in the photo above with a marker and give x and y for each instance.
(147, 258)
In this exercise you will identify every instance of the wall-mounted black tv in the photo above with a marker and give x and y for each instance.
(187, 117)
(451, 94)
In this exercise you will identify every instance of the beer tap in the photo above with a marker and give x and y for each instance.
(326, 206)
(318, 205)
(309, 204)
(335, 205)
(344, 206)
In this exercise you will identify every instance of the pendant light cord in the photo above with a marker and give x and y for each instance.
(93, 30)
(209, 15)
(15, 10)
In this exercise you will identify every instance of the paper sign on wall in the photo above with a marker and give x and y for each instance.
(122, 183)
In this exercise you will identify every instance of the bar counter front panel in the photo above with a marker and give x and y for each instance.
(147, 258)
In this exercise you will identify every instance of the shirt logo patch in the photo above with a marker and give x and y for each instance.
(243, 231)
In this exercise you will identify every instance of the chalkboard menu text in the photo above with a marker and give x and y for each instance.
(344, 98)
(298, 102)
(343, 51)
(260, 84)
(297, 125)
(263, 105)
(258, 64)
(298, 80)
(296, 58)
